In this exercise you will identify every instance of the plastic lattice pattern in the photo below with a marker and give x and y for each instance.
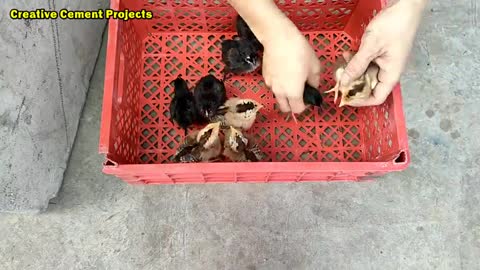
(328, 135)
(125, 109)
(145, 56)
(218, 16)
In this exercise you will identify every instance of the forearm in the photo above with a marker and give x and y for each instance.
(419, 5)
(420, 2)
(263, 17)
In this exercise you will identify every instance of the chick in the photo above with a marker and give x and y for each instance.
(209, 94)
(240, 148)
(360, 88)
(240, 56)
(311, 96)
(239, 113)
(182, 107)
(200, 146)
(184, 151)
(246, 33)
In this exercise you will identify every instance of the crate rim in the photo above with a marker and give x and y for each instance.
(112, 167)
(238, 167)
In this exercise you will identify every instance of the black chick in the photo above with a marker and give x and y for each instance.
(182, 107)
(311, 96)
(209, 94)
(239, 56)
(244, 32)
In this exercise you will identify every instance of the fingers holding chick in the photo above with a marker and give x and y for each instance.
(356, 90)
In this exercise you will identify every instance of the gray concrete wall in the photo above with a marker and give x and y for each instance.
(45, 70)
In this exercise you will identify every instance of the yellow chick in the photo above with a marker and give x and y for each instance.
(201, 146)
(240, 148)
(239, 113)
(360, 88)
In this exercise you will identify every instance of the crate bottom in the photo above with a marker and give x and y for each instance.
(330, 134)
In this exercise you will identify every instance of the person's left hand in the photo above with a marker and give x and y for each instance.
(387, 42)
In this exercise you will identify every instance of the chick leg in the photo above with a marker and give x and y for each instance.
(293, 116)
(226, 74)
(336, 90)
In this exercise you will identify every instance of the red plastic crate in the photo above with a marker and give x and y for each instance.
(144, 56)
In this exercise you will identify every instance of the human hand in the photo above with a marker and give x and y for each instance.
(387, 41)
(288, 59)
(288, 62)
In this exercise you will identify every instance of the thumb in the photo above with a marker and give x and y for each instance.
(295, 96)
(358, 64)
(380, 94)
(314, 80)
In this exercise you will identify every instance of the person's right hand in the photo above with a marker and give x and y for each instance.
(387, 41)
(288, 62)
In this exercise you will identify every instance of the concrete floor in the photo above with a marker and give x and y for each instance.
(424, 218)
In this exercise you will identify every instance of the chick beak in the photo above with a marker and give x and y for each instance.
(342, 103)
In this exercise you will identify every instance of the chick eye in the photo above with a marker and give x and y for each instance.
(248, 58)
(351, 93)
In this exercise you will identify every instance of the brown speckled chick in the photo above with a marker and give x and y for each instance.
(241, 148)
(200, 146)
(360, 88)
(239, 113)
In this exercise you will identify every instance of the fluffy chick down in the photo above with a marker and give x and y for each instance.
(239, 56)
(182, 107)
(200, 146)
(209, 94)
(238, 113)
(239, 147)
(360, 88)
